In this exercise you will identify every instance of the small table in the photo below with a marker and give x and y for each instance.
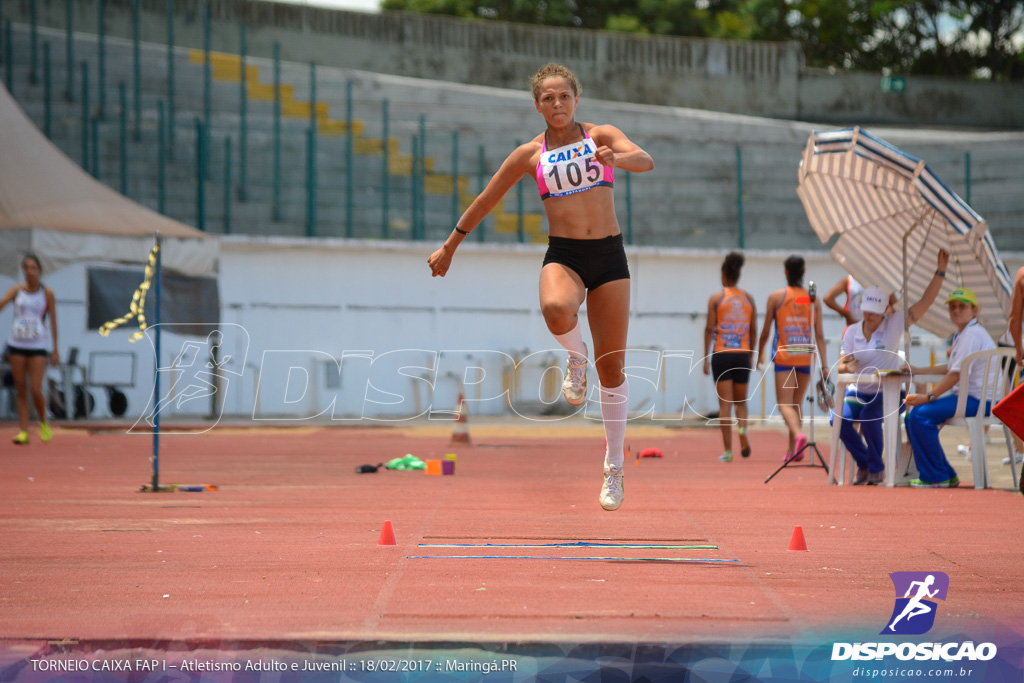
(891, 436)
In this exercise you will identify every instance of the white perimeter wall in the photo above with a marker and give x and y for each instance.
(293, 309)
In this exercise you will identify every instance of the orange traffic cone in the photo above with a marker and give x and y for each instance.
(797, 542)
(460, 433)
(387, 534)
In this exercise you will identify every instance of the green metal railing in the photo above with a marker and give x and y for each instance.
(136, 73)
(122, 91)
(227, 185)
(277, 133)
(200, 174)
(170, 79)
(101, 59)
(47, 93)
(33, 73)
(69, 53)
(323, 179)
(161, 158)
(741, 241)
(85, 115)
(243, 116)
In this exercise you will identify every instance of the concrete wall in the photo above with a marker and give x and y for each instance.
(294, 309)
(762, 79)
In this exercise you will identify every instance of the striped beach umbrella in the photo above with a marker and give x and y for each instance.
(890, 215)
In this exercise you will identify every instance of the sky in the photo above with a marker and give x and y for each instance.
(360, 5)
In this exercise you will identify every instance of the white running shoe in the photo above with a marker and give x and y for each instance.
(612, 491)
(574, 386)
(1017, 458)
(964, 451)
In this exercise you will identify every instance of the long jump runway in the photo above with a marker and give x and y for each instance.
(511, 549)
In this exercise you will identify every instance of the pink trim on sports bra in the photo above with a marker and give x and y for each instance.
(571, 168)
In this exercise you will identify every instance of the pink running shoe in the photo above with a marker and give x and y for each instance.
(788, 456)
(798, 448)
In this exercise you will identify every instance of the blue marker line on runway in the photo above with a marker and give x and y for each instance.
(577, 544)
(545, 557)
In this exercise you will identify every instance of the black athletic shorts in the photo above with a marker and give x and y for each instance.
(27, 353)
(731, 365)
(595, 261)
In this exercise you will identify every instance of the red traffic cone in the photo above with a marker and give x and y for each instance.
(387, 534)
(797, 542)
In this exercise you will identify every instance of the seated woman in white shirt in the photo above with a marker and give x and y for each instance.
(867, 346)
(932, 409)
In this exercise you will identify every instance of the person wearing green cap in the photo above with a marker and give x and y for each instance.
(932, 409)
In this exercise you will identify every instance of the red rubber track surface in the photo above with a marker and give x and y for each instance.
(287, 549)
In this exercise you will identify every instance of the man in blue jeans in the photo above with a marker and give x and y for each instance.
(932, 409)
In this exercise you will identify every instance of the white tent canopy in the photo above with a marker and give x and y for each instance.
(51, 207)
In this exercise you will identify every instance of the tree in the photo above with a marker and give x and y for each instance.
(977, 38)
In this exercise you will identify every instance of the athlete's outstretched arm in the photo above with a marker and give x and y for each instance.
(615, 149)
(514, 167)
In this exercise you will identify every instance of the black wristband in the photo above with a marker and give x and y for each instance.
(461, 231)
(940, 273)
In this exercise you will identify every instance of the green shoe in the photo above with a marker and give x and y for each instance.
(725, 457)
(22, 438)
(45, 434)
(947, 484)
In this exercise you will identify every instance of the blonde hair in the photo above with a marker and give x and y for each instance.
(552, 70)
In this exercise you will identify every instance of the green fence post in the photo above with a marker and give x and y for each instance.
(348, 159)
(520, 220)
(33, 76)
(136, 72)
(415, 194)
(95, 133)
(9, 56)
(311, 182)
(277, 133)
(207, 70)
(629, 207)
(311, 157)
(421, 181)
(122, 91)
(967, 177)
(161, 159)
(739, 197)
(227, 185)
(69, 53)
(85, 115)
(200, 175)
(385, 171)
(455, 177)
(170, 79)
(243, 133)
(480, 184)
(101, 59)
(47, 91)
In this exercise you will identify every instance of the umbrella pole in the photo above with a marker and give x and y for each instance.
(906, 301)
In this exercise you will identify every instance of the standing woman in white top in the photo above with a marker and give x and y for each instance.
(868, 346)
(33, 305)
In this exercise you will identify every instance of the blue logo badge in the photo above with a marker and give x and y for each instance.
(917, 594)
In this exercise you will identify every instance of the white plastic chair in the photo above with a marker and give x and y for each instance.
(996, 381)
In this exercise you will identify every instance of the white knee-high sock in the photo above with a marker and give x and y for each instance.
(614, 404)
(573, 341)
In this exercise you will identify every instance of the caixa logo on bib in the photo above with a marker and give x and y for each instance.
(914, 612)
